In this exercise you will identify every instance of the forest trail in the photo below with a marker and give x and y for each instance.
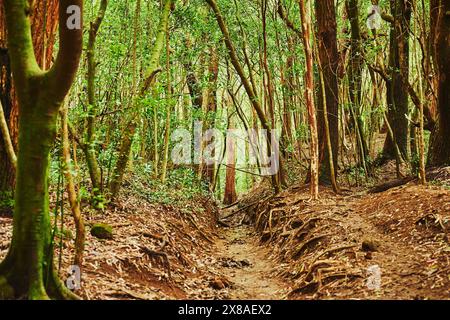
(246, 264)
(295, 249)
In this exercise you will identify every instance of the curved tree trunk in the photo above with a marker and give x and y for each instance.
(28, 271)
(153, 70)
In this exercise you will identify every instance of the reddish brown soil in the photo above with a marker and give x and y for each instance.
(300, 249)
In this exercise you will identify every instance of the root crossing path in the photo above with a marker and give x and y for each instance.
(247, 266)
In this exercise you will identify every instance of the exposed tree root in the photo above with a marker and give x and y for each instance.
(391, 184)
(303, 246)
(155, 255)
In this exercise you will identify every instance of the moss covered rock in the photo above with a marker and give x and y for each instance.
(102, 231)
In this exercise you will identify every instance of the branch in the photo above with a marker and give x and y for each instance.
(284, 16)
(62, 74)
(20, 42)
(380, 71)
(100, 15)
(150, 80)
(7, 138)
(235, 61)
(387, 17)
(153, 69)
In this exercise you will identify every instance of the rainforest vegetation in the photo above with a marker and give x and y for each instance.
(224, 149)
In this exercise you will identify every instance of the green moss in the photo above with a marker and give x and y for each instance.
(102, 231)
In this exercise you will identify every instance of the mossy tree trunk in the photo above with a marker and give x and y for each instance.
(152, 71)
(355, 70)
(89, 146)
(28, 271)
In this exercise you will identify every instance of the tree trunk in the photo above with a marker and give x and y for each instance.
(355, 69)
(71, 192)
(397, 93)
(28, 270)
(211, 108)
(230, 176)
(440, 143)
(89, 146)
(153, 70)
(249, 89)
(43, 12)
(329, 57)
(309, 96)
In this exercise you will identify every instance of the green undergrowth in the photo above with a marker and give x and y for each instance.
(182, 185)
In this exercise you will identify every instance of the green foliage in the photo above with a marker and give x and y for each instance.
(182, 186)
(6, 200)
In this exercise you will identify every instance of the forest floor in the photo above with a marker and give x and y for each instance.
(355, 245)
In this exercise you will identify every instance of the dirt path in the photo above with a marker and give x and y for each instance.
(247, 266)
(392, 245)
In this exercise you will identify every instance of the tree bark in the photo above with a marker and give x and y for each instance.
(397, 92)
(89, 146)
(440, 141)
(211, 108)
(309, 96)
(355, 69)
(28, 270)
(44, 22)
(329, 57)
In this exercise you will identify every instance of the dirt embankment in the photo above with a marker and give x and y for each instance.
(393, 245)
(157, 251)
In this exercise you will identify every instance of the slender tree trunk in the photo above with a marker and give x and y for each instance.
(7, 138)
(309, 96)
(230, 176)
(72, 193)
(355, 69)
(130, 130)
(89, 146)
(211, 109)
(249, 89)
(169, 93)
